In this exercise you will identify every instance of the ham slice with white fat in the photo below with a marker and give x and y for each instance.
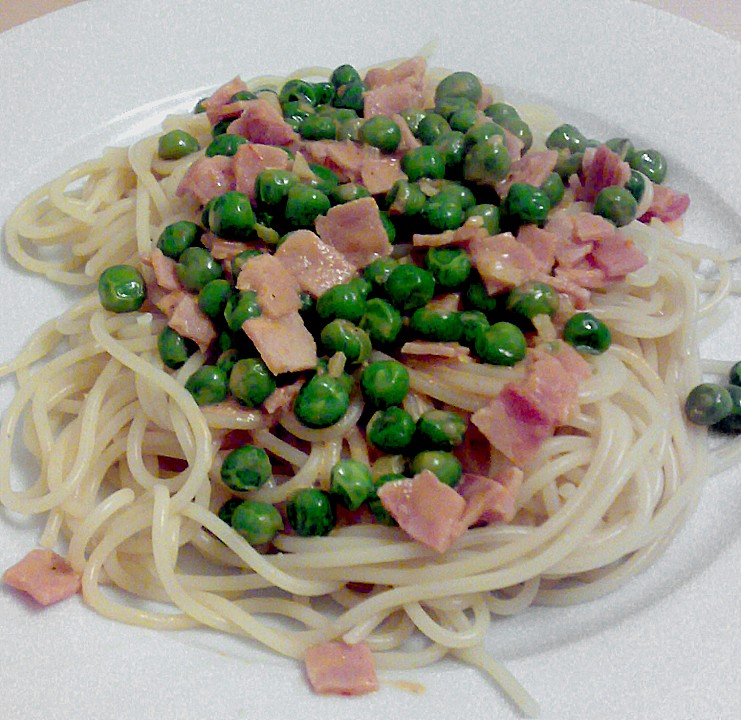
(206, 178)
(425, 508)
(276, 287)
(44, 575)
(284, 343)
(262, 122)
(355, 229)
(601, 168)
(337, 668)
(316, 265)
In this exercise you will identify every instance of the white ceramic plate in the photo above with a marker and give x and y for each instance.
(667, 645)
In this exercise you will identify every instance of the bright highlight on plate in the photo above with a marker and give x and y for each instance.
(366, 363)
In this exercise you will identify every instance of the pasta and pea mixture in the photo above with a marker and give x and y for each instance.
(383, 356)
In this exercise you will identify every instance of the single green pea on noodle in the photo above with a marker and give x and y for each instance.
(364, 343)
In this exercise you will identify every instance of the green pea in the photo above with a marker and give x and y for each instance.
(385, 383)
(708, 403)
(121, 289)
(388, 225)
(243, 96)
(637, 185)
(568, 164)
(200, 106)
(616, 204)
(304, 204)
(227, 360)
(351, 483)
(251, 382)
(196, 268)
(566, 137)
(296, 90)
(413, 117)
(321, 402)
(350, 96)
(257, 522)
(362, 285)
(533, 298)
(231, 216)
(526, 204)
(349, 128)
(489, 214)
(431, 128)
(310, 512)
(272, 186)
(477, 297)
(734, 374)
(423, 161)
(226, 511)
(176, 144)
(221, 127)
(436, 325)
(473, 322)
(341, 301)
(452, 148)
(649, 162)
(521, 130)
(449, 105)
(441, 429)
(450, 267)
(345, 337)
(213, 297)
(344, 75)
(404, 198)
(318, 127)
(226, 144)
(246, 468)
(382, 321)
(381, 132)
(463, 119)
(347, 192)
(587, 334)
(240, 307)
(483, 132)
(326, 180)
(487, 162)
(410, 287)
(622, 147)
(459, 84)
(554, 188)
(390, 430)
(324, 92)
(444, 465)
(207, 385)
(443, 212)
(459, 191)
(173, 348)
(501, 344)
(177, 237)
(731, 423)
(378, 271)
(296, 112)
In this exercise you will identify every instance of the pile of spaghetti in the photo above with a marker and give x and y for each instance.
(525, 283)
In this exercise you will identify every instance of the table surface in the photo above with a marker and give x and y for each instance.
(722, 16)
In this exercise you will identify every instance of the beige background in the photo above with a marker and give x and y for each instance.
(723, 16)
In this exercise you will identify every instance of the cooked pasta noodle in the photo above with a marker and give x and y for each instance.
(97, 410)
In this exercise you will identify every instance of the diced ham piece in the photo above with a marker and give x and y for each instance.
(425, 508)
(570, 359)
(284, 343)
(262, 122)
(490, 499)
(392, 90)
(218, 103)
(541, 243)
(502, 262)
(532, 168)
(617, 256)
(435, 349)
(355, 229)
(276, 287)
(601, 168)
(588, 228)
(378, 175)
(225, 249)
(337, 668)
(251, 159)
(316, 265)
(187, 319)
(282, 397)
(408, 141)
(45, 576)
(164, 270)
(667, 205)
(206, 178)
